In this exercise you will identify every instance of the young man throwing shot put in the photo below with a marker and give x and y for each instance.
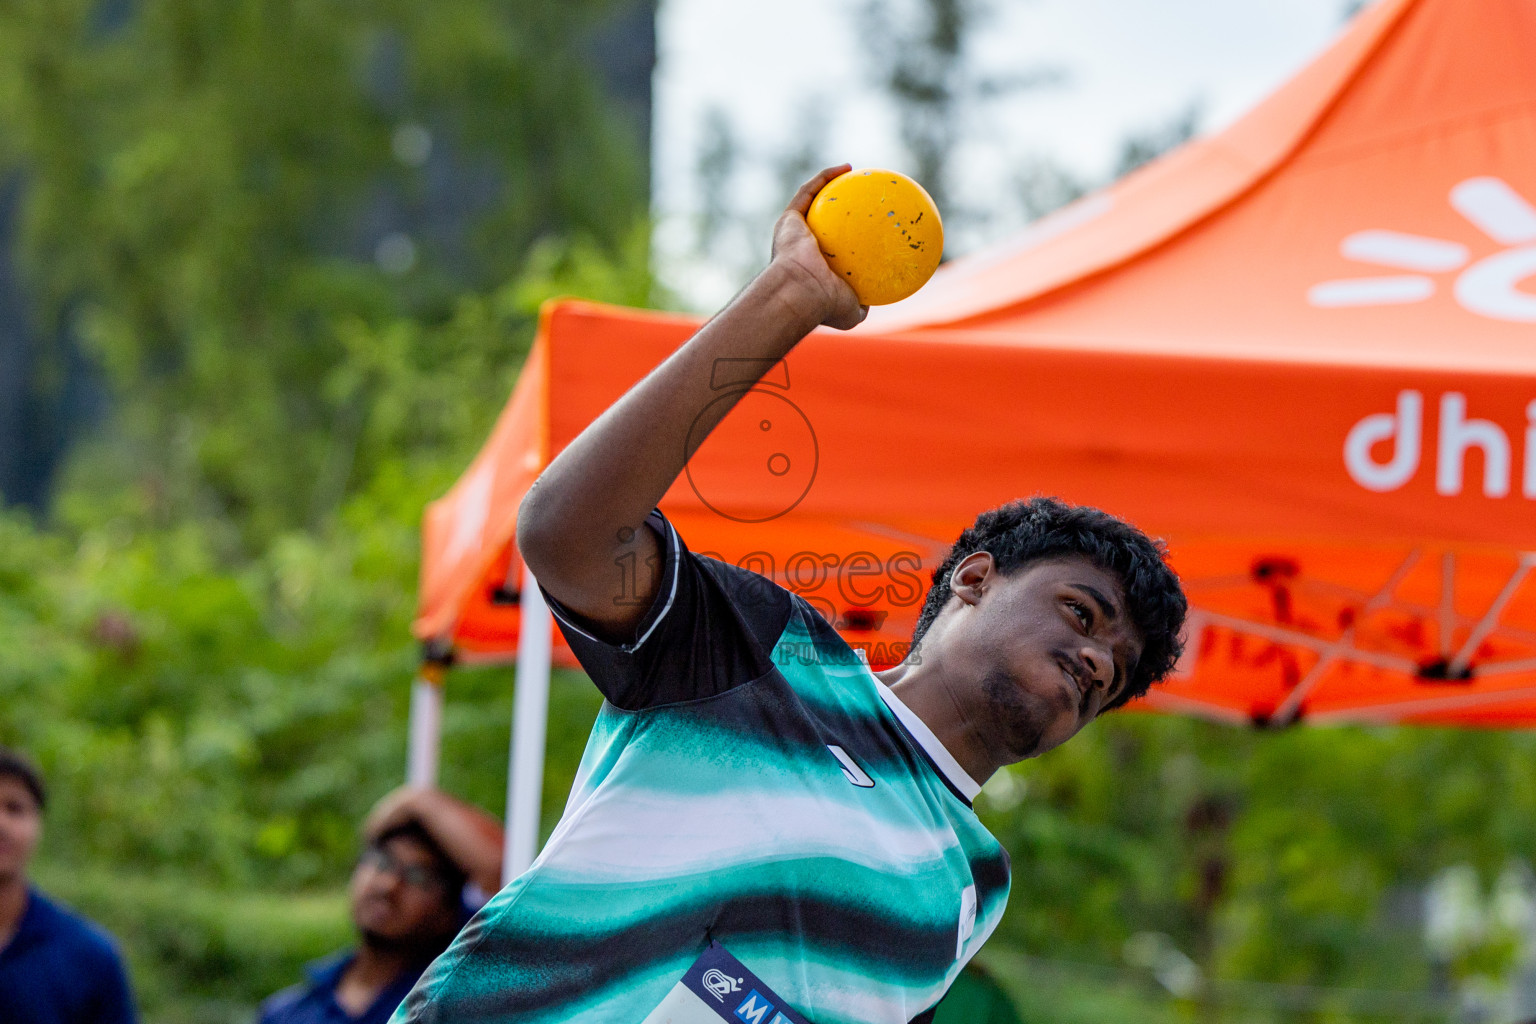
(759, 838)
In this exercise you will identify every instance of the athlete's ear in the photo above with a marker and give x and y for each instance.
(970, 578)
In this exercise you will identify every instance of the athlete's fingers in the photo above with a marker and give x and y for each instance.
(847, 317)
(801, 203)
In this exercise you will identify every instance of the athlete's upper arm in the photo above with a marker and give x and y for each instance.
(708, 627)
(609, 592)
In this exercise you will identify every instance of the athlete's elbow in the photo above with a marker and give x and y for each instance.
(538, 532)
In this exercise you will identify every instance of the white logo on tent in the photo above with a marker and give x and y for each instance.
(1490, 287)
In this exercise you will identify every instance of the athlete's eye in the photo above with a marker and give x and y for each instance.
(1083, 614)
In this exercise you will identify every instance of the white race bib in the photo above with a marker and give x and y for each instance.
(718, 988)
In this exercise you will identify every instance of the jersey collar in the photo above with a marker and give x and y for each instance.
(939, 754)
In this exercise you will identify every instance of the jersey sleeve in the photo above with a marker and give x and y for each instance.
(710, 627)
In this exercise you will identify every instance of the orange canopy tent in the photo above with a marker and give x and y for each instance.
(1302, 350)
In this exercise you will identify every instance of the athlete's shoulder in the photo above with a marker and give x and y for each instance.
(760, 601)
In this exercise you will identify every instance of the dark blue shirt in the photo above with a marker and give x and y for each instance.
(61, 969)
(314, 1002)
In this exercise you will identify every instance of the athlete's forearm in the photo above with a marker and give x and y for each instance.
(584, 517)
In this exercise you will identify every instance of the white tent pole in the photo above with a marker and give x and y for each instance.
(426, 727)
(530, 714)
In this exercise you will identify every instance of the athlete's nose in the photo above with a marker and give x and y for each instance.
(1100, 664)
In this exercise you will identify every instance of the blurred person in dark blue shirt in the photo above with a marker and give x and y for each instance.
(427, 862)
(55, 966)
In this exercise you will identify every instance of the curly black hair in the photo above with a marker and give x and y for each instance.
(1022, 532)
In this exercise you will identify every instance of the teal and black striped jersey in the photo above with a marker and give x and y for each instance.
(748, 781)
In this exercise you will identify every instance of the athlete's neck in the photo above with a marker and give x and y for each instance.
(933, 697)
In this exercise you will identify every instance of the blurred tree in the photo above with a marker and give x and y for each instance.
(219, 194)
(305, 246)
(919, 55)
(1043, 186)
(1144, 146)
(214, 731)
(1310, 874)
(46, 394)
(920, 52)
(719, 152)
(795, 166)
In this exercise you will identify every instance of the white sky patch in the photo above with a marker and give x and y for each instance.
(1131, 65)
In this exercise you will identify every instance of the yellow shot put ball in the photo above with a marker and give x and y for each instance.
(879, 231)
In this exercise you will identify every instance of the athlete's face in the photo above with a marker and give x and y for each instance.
(1043, 650)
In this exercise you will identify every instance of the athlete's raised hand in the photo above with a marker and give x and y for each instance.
(796, 249)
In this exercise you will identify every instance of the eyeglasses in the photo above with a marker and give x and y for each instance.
(414, 875)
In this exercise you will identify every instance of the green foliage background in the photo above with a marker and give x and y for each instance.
(207, 646)
(207, 643)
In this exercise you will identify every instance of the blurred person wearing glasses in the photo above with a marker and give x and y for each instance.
(428, 862)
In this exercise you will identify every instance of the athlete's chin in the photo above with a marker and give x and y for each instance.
(1052, 738)
(1030, 721)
